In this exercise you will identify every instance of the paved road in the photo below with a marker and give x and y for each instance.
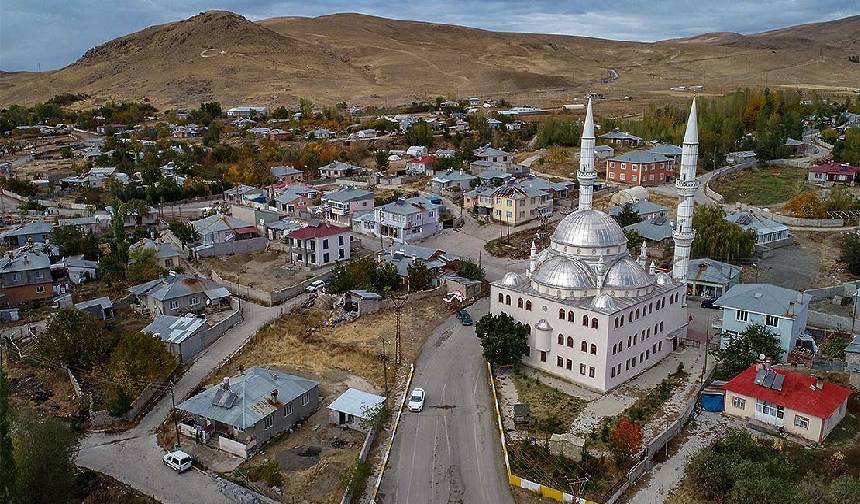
(450, 451)
(133, 456)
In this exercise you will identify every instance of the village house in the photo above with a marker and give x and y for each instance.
(407, 219)
(782, 311)
(294, 199)
(795, 147)
(345, 203)
(493, 155)
(656, 230)
(740, 157)
(640, 168)
(101, 308)
(247, 111)
(185, 131)
(278, 230)
(338, 169)
(242, 193)
(796, 403)
(670, 151)
(180, 294)
(646, 210)
(320, 134)
(558, 190)
(836, 173)
(768, 232)
(621, 138)
(446, 154)
(279, 135)
(31, 232)
(603, 151)
(220, 228)
(25, 276)
(495, 177)
(515, 205)
(711, 279)
(286, 174)
(320, 245)
(76, 268)
(403, 255)
(353, 408)
(365, 134)
(166, 256)
(83, 224)
(416, 151)
(480, 200)
(259, 216)
(247, 410)
(452, 180)
(420, 165)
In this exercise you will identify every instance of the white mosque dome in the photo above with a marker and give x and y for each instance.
(562, 272)
(663, 279)
(604, 302)
(627, 274)
(543, 325)
(590, 229)
(510, 279)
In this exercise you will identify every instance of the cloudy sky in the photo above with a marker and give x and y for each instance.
(46, 34)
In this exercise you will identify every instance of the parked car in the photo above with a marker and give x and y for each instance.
(709, 303)
(178, 460)
(465, 318)
(316, 285)
(416, 400)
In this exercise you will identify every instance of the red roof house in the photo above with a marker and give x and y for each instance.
(842, 173)
(800, 404)
(320, 245)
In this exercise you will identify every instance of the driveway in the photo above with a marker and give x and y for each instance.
(449, 452)
(134, 457)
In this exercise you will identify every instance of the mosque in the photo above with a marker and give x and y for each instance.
(596, 315)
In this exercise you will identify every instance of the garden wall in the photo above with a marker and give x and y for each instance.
(234, 247)
(268, 298)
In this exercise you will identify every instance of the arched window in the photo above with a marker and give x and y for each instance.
(561, 339)
(570, 342)
(528, 328)
(501, 298)
(615, 349)
(519, 302)
(637, 313)
(616, 322)
(593, 349)
(622, 320)
(594, 323)
(570, 316)
(508, 300)
(585, 320)
(650, 307)
(561, 314)
(583, 346)
(528, 305)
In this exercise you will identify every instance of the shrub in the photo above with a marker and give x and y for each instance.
(269, 473)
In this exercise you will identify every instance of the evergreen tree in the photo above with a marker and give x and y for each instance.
(504, 340)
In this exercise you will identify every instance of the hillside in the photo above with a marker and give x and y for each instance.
(371, 60)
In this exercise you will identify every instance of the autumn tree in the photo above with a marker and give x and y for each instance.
(806, 205)
(420, 133)
(504, 340)
(139, 358)
(627, 216)
(143, 266)
(44, 453)
(745, 348)
(382, 162)
(850, 252)
(74, 338)
(469, 269)
(625, 440)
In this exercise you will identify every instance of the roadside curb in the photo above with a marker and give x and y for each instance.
(393, 433)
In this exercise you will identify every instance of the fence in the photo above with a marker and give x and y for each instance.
(362, 457)
(234, 247)
(268, 298)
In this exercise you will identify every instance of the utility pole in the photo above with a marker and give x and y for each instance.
(384, 360)
(175, 422)
(398, 344)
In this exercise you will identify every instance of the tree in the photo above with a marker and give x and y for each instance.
(116, 264)
(184, 231)
(627, 216)
(718, 238)
(74, 338)
(469, 269)
(45, 461)
(840, 199)
(625, 440)
(850, 252)
(419, 276)
(7, 463)
(549, 425)
(420, 133)
(834, 346)
(139, 358)
(504, 340)
(144, 266)
(382, 159)
(71, 241)
(806, 205)
(363, 273)
(745, 348)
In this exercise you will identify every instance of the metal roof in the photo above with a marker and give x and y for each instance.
(453, 176)
(640, 157)
(356, 402)
(250, 397)
(763, 298)
(666, 150)
(173, 329)
(104, 302)
(218, 222)
(410, 206)
(24, 259)
(347, 194)
(640, 207)
(761, 225)
(658, 229)
(589, 228)
(35, 227)
(711, 271)
(176, 286)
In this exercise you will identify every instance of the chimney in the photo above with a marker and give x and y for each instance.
(274, 394)
(225, 383)
(819, 383)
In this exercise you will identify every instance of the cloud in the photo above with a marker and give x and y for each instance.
(45, 34)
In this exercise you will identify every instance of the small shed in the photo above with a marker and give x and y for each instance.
(361, 301)
(184, 336)
(469, 288)
(353, 406)
(99, 307)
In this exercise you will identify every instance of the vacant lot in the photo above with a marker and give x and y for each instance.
(545, 401)
(518, 245)
(766, 186)
(268, 270)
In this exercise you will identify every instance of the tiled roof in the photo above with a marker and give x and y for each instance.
(320, 231)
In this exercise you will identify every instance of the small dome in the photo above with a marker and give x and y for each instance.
(543, 325)
(604, 302)
(589, 228)
(510, 279)
(564, 273)
(663, 279)
(627, 274)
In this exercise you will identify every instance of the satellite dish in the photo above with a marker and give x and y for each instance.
(761, 356)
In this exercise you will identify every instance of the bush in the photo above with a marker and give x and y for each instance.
(807, 205)
(269, 473)
(354, 480)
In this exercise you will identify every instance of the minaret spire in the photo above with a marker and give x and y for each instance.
(586, 174)
(687, 185)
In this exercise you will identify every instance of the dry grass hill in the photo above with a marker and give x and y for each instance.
(370, 60)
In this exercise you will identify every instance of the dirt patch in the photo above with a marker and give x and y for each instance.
(93, 487)
(518, 245)
(547, 402)
(42, 391)
(268, 270)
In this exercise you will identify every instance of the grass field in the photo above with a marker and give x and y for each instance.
(545, 401)
(763, 187)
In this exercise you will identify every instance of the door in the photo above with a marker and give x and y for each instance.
(674, 343)
(341, 417)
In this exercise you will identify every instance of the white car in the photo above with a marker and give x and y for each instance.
(416, 400)
(316, 285)
(178, 460)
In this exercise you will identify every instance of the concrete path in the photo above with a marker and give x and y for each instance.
(134, 457)
(449, 452)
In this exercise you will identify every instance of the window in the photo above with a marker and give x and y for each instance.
(570, 341)
(594, 323)
(612, 372)
(593, 349)
(561, 339)
(542, 356)
(620, 346)
(325, 258)
(661, 326)
(501, 298)
(591, 372)
(742, 315)
(585, 320)
(268, 421)
(40, 289)
(559, 361)
(288, 409)
(584, 346)
(615, 349)
(569, 365)
(739, 402)
(325, 244)
(561, 314)
(340, 254)
(306, 398)
(770, 320)
(174, 305)
(627, 365)
(801, 421)
(570, 316)
(508, 300)
(528, 305)
(769, 409)
(340, 240)
(519, 302)
(582, 369)
(39, 275)
(195, 300)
